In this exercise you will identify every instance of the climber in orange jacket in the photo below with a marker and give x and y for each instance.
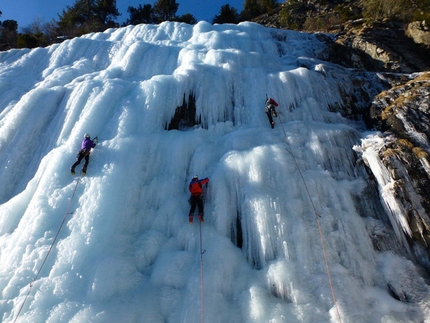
(196, 189)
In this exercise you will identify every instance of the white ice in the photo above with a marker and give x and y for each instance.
(126, 252)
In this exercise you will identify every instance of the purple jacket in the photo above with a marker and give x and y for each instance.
(87, 144)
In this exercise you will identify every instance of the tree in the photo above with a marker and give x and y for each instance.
(251, 9)
(140, 15)
(165, 10)
(187, 18)
(267, 5)
(44, 33)
(106, 11)
(254, 8)
(50, 30)
(88, 16)
(227, 14)
(401, 10)
(10, 25)
(8, 34)
(34, 28)
(27, 41)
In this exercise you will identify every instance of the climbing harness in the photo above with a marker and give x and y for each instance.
(50, 248)
(317, 216)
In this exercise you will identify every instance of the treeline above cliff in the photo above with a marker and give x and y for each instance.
(86, 16)
(326, 15)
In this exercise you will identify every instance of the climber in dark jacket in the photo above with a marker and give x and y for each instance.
(271, 110)
(85, 151)
(196, 189)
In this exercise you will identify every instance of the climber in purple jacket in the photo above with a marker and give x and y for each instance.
(85, 151)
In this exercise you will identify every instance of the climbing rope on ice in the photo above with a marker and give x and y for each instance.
(202, 251)
(50, 248)
(201, 275)
(317, 216)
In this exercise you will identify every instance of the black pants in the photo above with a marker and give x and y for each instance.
(81, 155)
(269, 115)
(196, 201)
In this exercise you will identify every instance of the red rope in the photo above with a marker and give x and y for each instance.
(327, 268)
(201, 275)
(318, 222)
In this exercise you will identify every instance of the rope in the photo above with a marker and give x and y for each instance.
(317, 216)
(49, 251)
(201, 275)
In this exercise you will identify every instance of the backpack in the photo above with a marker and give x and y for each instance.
(272, 101)
(192, 185)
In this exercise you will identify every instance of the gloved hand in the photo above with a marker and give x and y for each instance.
(96, 140)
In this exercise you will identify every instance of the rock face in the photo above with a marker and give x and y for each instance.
(373, 46)
(402, 114)
(381, 46)
(419, 32)
(405, 110)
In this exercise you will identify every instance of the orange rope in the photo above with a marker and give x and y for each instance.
(318, 222)
(201, 275)
(49, 251)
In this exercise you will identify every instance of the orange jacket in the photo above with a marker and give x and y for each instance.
(196, 186)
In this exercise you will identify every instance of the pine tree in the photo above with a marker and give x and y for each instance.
(165, 10)
(251, 9)
(227, 14)
(8, 34)
(140, 15)
(88, 16)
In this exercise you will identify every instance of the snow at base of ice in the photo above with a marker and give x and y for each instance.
(127, 252)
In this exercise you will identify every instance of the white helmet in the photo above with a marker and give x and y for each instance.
(195, 177)
(87, 135)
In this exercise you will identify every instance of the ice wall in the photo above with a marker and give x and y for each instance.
(127, 252)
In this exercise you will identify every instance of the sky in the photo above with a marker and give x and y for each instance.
(26, 11)
(116, 245)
